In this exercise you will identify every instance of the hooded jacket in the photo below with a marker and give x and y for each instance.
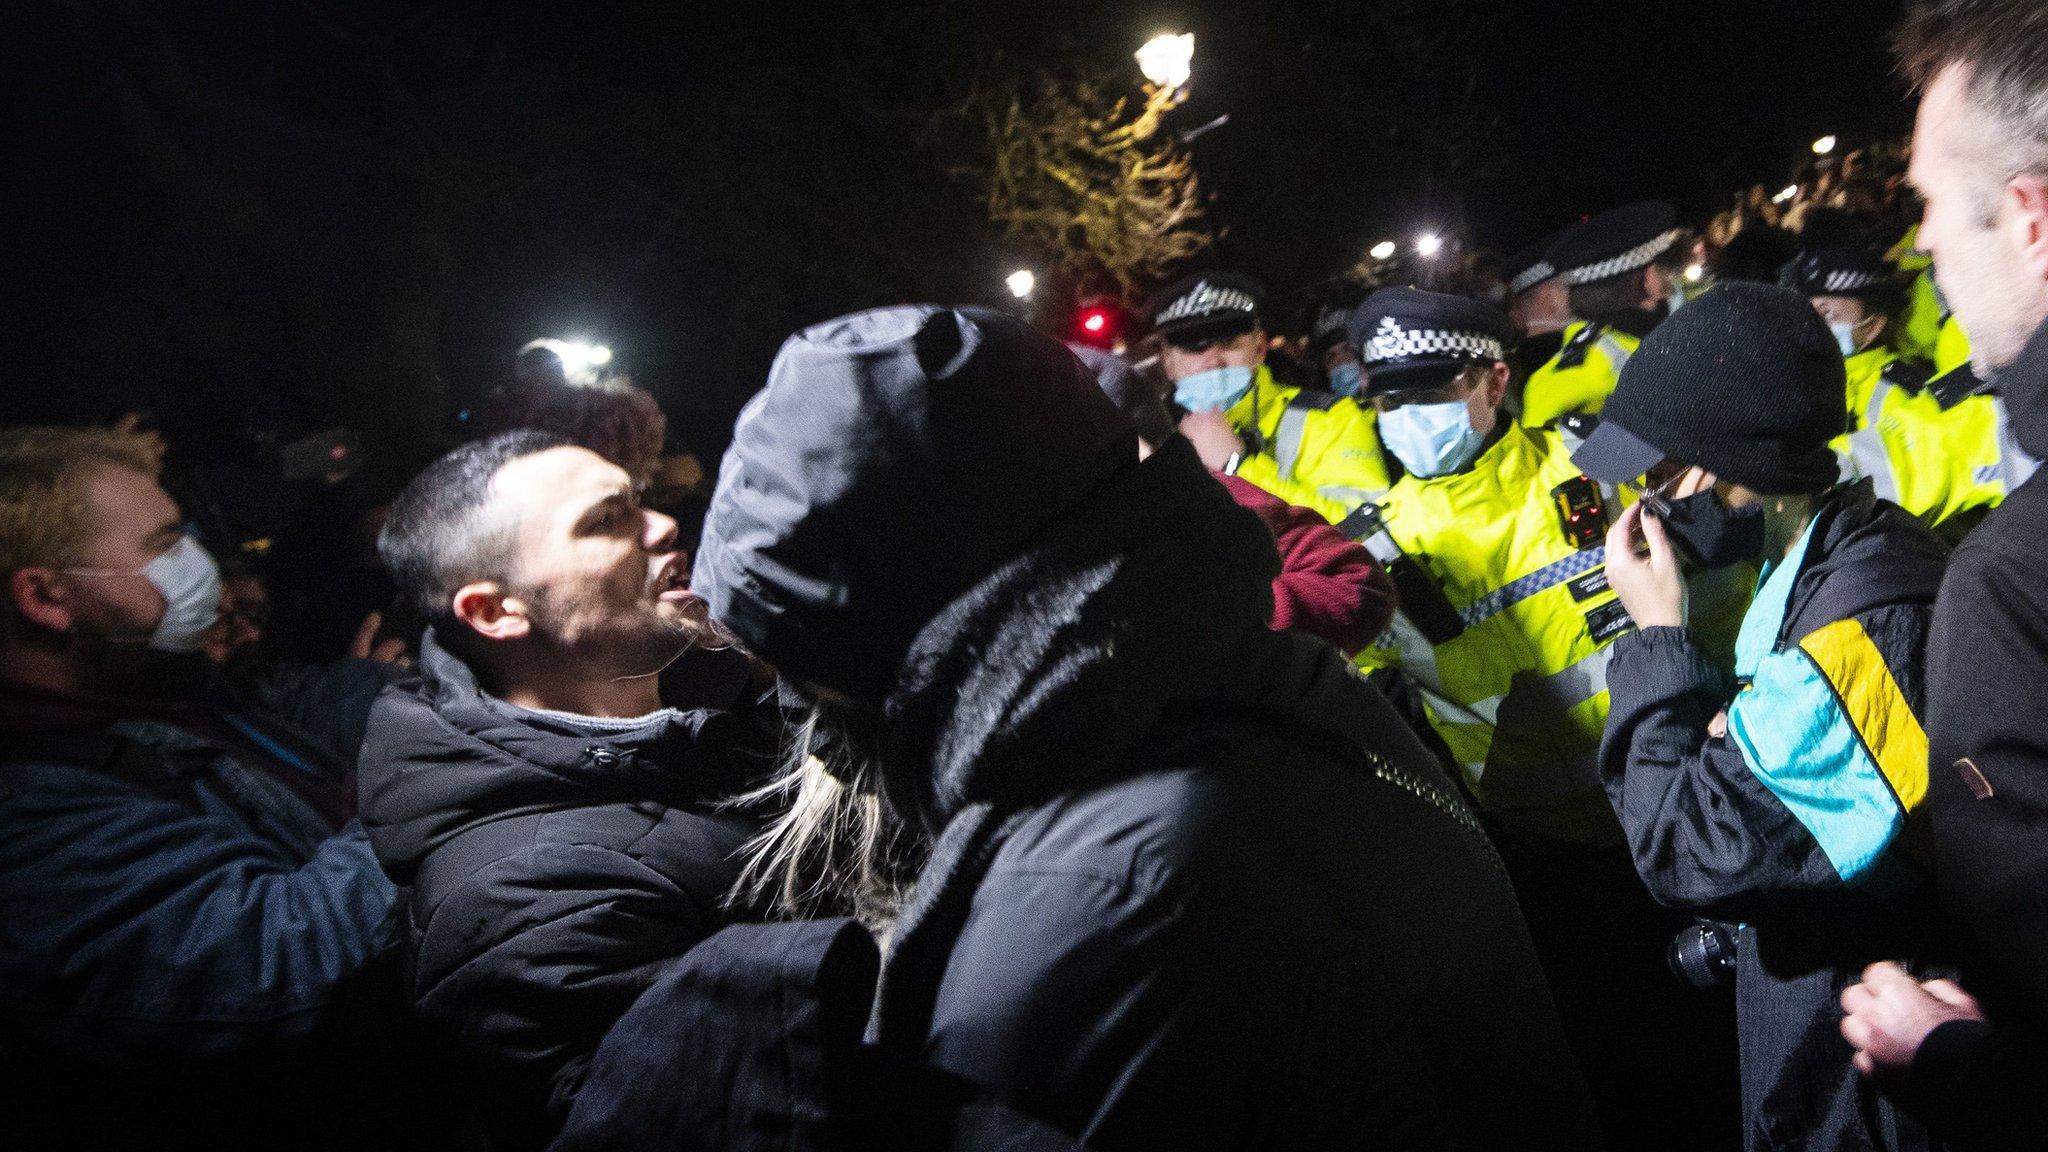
(550, 874)
(1988, 798)
(1803, 819)
(1191, 884)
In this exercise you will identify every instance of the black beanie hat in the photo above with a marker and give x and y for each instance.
(1745, 382)
(895, 457)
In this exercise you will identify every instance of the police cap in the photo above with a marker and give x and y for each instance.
(1409, 339)
(1615, 242)
(1205, 306)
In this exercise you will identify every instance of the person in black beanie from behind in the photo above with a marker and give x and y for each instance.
(1785, 796)
(1185, 882)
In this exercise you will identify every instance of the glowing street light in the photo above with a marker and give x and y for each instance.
(1167, 60)
(1384, 250)
(1786, 194)
(580, 361)
(1428, 244)
(1824, 145)
(1021, 283)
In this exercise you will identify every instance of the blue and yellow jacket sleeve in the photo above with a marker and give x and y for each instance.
(1810, 788)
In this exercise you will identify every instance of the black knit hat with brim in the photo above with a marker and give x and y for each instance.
(1745, 382)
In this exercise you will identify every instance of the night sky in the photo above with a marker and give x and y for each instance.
(286, 216)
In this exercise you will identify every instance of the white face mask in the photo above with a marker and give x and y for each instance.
(189, 581)
(1845, 335)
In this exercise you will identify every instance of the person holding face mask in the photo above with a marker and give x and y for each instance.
(186, 901)
(1786, 796)
(1311, 449)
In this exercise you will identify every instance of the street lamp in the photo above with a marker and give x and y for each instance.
(580, 360)
(1824, 145)
(1786, 194)
(1021, 283)
(1167, 60)
(1384, 250)
(1428, 244)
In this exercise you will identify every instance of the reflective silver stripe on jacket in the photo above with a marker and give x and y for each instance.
(1616, 352)
(1872, 410)
(1867, 459)
(1288, 437)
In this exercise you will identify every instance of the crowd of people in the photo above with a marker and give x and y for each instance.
(1588, 707)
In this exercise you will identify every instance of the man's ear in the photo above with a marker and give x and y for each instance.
(490, 612)
(2027, 194)
(1497, 384)
(42, 598)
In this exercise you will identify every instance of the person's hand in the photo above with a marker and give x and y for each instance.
(1651, 586)
(365, 646)
(1214, 439)
(1890, 1014)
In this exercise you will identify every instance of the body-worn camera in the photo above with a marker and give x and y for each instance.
(1703, 955)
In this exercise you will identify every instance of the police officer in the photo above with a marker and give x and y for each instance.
(1313, 449)
(1512, 660)
(1618, 292)
(1329, 348)
(1497, 544)
(1856, 293)
(1538, 303)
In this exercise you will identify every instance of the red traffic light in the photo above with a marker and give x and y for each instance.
(1100, 321)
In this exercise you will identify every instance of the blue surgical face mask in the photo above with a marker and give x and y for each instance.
(1345, 379)
(1845, 335)
(1212, 391)
(1431, 439)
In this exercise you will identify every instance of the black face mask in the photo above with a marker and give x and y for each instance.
(1709, 534)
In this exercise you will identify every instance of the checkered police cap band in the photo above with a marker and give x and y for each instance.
(1535, 274)
(1636, 257)
(1330, 321)
(1850, 280)
(1206, 299)
(1393, 342)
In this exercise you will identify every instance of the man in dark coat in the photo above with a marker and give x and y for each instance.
(1980, 159)
(555, 827)
(1188, 883)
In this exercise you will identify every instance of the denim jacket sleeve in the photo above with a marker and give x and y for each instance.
(132, 921)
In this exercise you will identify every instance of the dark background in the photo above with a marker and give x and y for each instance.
(282, 217)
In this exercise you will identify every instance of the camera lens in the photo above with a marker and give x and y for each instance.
(1704, 954)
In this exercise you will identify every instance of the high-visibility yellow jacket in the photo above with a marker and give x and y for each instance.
(1520, 695)
(1941, 452)
(1926, 325)
(1581, 375)
(1876, 374)
(1312, 449)
(1951, 346)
